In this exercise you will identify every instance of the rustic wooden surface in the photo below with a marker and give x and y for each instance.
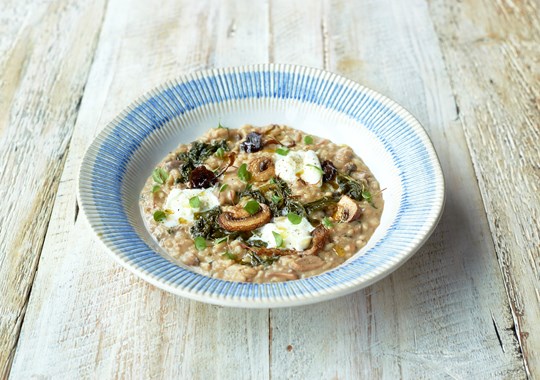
(465, 306)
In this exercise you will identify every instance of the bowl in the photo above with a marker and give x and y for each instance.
(387, 137)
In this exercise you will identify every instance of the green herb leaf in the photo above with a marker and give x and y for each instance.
(156, 188)
(223, 187)
(220, 240)
(159, 215)
(252, 207)
(279, 239)
(308, 140)
(327, 222)
(194, 202)
(221, 126)
(159, 175)
(200, 243)
(230, 256)
(316, 167)
(276, 198)
(243, 173)
(220, 152)
(282, 151)
(366, 195)
(294, 218)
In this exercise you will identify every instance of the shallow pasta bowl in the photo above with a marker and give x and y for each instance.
(389, 140)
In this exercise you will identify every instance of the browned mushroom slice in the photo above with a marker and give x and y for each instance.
(307, 263)
(318, 242)
(239, 219)
(348, 210)
(261, 168)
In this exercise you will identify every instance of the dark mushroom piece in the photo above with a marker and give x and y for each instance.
(347, 210)
(240, 220)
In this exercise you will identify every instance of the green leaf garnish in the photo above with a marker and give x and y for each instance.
(200, 243)
(282, 151)
(279, 239)
(243, 173)
(220, 240)
(252, 207)
(327, 222)
(308, 140)
(159, 175)
(294, 218)
(159, 215)
(156, 188)
(194, 202)
(223, 187)
(276, 198)
(230, 256)
(221, 126)
(316, 167)
(220, 152)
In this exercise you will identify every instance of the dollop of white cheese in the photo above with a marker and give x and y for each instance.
(299, 164)
(295, 236)
(178, 209)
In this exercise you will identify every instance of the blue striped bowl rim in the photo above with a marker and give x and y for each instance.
(104, 184)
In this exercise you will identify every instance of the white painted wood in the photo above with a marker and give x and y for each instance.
(46, 51)
(492, 50)
(435, 316)
(88, 317)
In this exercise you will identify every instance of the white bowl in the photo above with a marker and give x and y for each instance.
(389, 140)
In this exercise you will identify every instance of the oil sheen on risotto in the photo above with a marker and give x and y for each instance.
(261, 204)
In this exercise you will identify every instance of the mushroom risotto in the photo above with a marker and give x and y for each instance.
(261, 204)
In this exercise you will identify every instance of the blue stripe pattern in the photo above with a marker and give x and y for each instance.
(102, 178)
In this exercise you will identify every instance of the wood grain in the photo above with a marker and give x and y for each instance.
(91, 317)
(46, 51)
(444, 314)
(492, 52)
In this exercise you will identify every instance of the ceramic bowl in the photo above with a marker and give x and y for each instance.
(389, 140)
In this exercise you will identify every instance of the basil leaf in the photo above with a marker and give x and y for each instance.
(282, 151)
(200, 243)
(220, 152)
(220, 240)
(278, 238)
(327, 222)
(156, 188)
(294, 218)
(252, 207)
(159, 215)
(243, 173)
(194, 202)
(223, 187)
(159, 175)
(308, 140)
(276, 198)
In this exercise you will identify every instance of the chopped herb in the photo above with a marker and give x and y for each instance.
(308, 140)
(316, 167)
(279, 239)
(327, 222)
(220, 152)
(252, 207)
(206, 225)
(194, 202)
(221, 126)
(367, 195)
(220, 240)
(230, 256)
(159, 175)
(200, 243)
(243, 173)
(282, 151)
(196, 155)
(294, 218)
(159, 215)
(258, 243)
(156, 188)
(255, 260)
(321, 203)
(276, 198)
(348, 186)
(223, 187)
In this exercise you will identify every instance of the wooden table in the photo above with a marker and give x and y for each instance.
(467, 305)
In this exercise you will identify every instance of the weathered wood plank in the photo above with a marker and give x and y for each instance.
(444, 314)
(87, 317)
(46, 51)
(491, 50)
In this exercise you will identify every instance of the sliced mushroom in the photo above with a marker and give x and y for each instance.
(261, 168)
(318, 242)
(347, 210)
(307, 263)
(238, 219)
(282, 276)
(227, 197)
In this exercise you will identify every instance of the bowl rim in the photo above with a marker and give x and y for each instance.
(272, 301)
